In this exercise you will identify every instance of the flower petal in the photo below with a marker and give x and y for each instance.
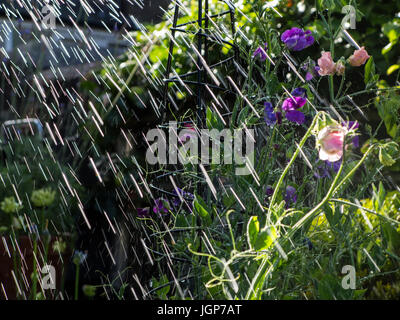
(295, 116)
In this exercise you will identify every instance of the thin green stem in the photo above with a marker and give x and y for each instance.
(322, 203)
(331, 89)
(286, 170)
(366, 91)
(332, 190)
(354, 169)
(340, 87)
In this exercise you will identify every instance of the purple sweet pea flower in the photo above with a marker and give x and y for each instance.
(269, 191)
(351, 125)
(293, 103)
(311, 70)
(334, 165)
(176, 201)
(356, 142)
(296, 39)
(269, 114)
(322, 172)
(261, 53)
(299, 92)
(290, 196)
(143, 212)
(161, 206)
(316, 71)
(296, 116)
(290, 105)
(309, 76)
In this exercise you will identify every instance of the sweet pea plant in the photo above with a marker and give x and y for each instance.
(311, 204)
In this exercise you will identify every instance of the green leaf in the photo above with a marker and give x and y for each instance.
(385, 158)
(392, 30)
(386, 153)
(242, 115)
(265, 239)
(378, 196)
(200, 208)
(228, 200)
(358, 294)
(369, 71)
(181, 221)
(388, 109)
(381, 195)
(162, 293)
(213, 121)
(392, 237)
(253, 228)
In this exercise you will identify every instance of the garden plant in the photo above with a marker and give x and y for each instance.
(310, 89)
(322, 196)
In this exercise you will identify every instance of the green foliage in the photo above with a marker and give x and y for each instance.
(265, 239)
(245, 244)
(388, 107)
(34, 187)
(200, 208)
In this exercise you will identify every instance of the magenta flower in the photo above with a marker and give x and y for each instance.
(293, 103)
(296, 39)
(189, 126)
(290, 106)
(161, 206)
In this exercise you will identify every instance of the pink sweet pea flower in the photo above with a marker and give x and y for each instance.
(359, 57)
(331, 141)
(326, 64)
